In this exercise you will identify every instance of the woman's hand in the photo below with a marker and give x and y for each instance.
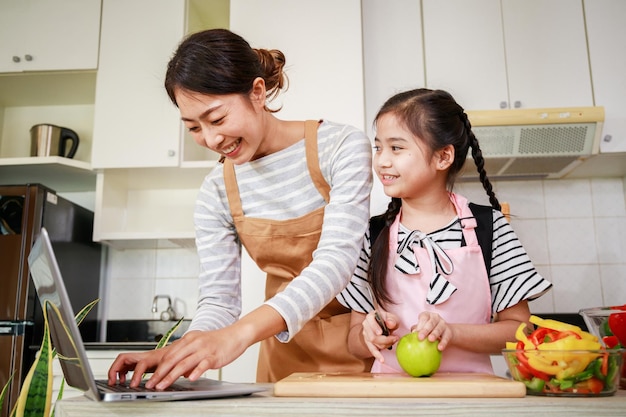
(190, 356)
(373, 336)
(432, 326)
(197, 351)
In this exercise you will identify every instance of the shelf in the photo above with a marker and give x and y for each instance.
(55, 172)
(47, 88)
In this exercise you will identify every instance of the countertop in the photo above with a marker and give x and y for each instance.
(265, 404)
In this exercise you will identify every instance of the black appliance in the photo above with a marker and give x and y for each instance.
(24, 209)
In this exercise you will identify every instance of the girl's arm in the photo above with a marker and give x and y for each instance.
(481, 338)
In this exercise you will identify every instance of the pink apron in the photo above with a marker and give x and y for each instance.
(471, 303)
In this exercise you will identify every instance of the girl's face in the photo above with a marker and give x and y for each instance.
(403, 163)
(231, 124)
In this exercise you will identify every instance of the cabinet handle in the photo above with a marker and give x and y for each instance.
(171, 153)
(16, 58)
(28, 57)
(607, 138)
(517, 104)
(503, 104)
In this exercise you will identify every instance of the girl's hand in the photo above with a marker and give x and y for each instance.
(373, 336)
(432, 326)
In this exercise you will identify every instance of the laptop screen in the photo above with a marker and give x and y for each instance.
(64, 332)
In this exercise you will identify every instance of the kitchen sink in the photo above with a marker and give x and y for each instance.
(142, 331)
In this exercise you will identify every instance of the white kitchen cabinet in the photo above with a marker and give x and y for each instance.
(46, 35)
(135, 123)
(606, 33)
(386, 45)
(494, 54)
(322, 43)
(148, 178)
(147, 207)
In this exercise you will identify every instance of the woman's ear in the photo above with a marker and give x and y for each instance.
(445, 157)
(258, 92)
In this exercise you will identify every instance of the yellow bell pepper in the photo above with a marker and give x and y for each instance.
(520, 335)
(560, 326)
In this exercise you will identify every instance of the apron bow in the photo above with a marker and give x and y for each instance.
(440, 289)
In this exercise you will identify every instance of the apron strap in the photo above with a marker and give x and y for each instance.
(312, 159)
(232, 190)
(313, 165)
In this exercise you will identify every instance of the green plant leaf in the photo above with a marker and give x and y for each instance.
(80, 316)
(34, 399)
(36, 392)
(166, 337)
(61, 389)
(5, 389)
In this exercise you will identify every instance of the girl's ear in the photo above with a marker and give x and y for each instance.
(445, 157)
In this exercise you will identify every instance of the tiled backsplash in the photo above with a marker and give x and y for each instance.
(573, 230)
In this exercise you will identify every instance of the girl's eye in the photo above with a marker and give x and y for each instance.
(396, 148)
(376, 148)
(193, 129)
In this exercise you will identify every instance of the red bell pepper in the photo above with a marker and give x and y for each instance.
(523, 362)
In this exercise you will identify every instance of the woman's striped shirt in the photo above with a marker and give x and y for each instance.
(278, 186)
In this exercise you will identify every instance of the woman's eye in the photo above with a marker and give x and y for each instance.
(217, 121)
(376, 148)
(193, 129)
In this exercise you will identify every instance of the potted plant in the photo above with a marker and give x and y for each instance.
(35, 398)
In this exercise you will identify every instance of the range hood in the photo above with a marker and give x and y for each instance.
(535, 143)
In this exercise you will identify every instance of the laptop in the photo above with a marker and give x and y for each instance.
(72, 355)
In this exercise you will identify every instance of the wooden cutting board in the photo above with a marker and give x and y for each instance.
(368, 385)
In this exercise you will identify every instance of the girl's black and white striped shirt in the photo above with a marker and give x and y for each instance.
(513, 277)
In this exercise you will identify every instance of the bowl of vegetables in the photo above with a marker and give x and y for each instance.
(609, 325)
(560, 359)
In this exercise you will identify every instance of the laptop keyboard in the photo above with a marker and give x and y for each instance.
(141, 388)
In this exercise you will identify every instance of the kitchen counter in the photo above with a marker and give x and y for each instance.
(265, 404)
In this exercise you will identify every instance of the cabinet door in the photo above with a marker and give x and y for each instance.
(546, 53)
(135, 123)
(392, 53)
(464, 51)
(607, 42)
(49, 35)
(494, 54)
(322, 44)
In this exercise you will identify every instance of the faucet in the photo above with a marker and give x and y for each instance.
(169, 313)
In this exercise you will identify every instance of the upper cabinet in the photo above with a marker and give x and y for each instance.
(322, 43)
(135, 123)
(46, 35)
(607, 45)
(494, 54)
(393, 58)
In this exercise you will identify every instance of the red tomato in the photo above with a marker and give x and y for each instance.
(617, 324)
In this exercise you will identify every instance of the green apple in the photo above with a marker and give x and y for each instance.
(418, 357)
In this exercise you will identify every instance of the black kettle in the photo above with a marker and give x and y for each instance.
(51, 140)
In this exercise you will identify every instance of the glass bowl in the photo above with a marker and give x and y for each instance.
(597, 321)
(566, 373)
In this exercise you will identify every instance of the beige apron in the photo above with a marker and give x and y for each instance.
(282, 249)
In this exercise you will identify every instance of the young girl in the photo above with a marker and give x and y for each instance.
(425, 269)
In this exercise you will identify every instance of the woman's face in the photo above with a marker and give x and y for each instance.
(403, 163)
(231, 124)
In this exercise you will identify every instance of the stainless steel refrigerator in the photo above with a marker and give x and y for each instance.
(24, 209)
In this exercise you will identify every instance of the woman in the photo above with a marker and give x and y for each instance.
(299, 206)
